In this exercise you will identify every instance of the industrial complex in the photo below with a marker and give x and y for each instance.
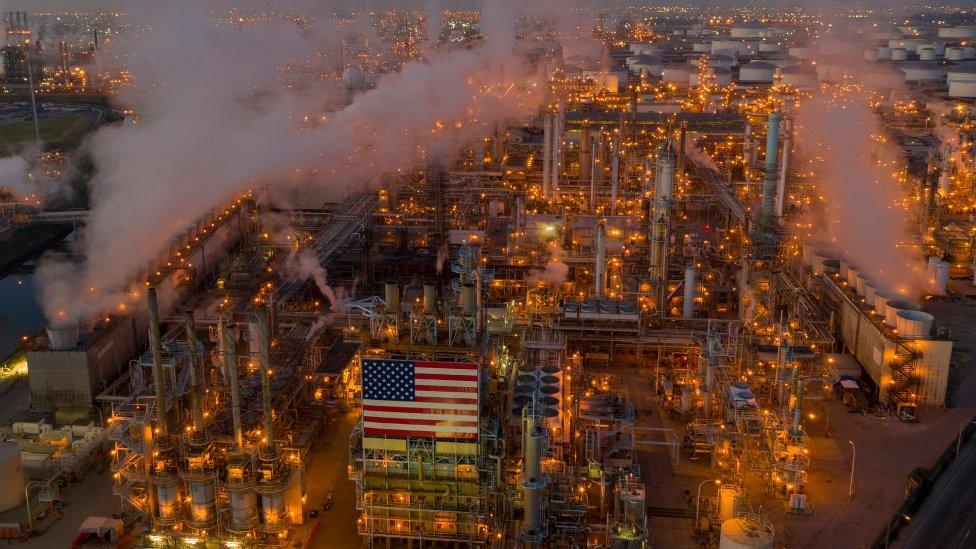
(669, 292)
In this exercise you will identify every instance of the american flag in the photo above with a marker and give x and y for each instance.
(404, 398)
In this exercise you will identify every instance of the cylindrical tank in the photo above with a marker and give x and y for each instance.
(817, 266)
(678, 73)
(892, 309)
(968, 52)
(899, 54)
(881, 300)
(802, 52)
(391, 293)
(926, 54)
(845, 269)
(743, 533)
(62, 336)
(12, 473)
(167, 494)
(884, 52)
(962, 83)
(852, 274)
(728, 495)
(243, 508)
(860, 285)
(922, 72)
(469, 302)
(203, 500)
(273, 509)
(701, 47)
(870, 294)
(914, 324)
(758, 72)
(955, 53)
(430, 298)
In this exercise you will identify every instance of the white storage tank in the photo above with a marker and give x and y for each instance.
(701, 47)
(957, 32)
(968, 52)
(922, 72)
(914, 324)
(926, 53)
(798, 76)
(962, 83)
(743, 533)
(721, 61)
(955, 53)
(749, 30)
(12, 473)
(757, 72)
(728, 495)
(678, 73)
(899, 54)
(881, 299)
(720, 77)
(870, 294)
(739, 47)
(802, 52)
(769, 47)
(884, 52)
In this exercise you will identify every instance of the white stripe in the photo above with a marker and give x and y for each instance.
(447, 371)
(443, 405)
(447, 394)
(428, 428)
(447, 382)
(437, 417)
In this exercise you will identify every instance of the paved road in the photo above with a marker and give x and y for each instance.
(948, 518)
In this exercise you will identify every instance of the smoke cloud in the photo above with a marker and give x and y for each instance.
(215, 118)
(556, 270)
(865, 208)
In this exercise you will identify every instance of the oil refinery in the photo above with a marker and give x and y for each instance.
(491, 276)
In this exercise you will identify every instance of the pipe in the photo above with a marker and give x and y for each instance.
(585, 155)
(599, 270)
(156, 348)
(784, 168)
(230, 365)
(196, 409)
(688, 304)
(265, 357)
(614, 180)
(797, 408)
(557, 150)
(769, 172)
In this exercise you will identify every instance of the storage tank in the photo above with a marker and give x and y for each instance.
(798, 76)
(720, 77)
(871, 54)
(962, 83)
(678, 73)
(922, 72)
(728, 495)
(746, 533)
(802, 52)
(769, 47)
(860, 284)
(968, 52)
(955, 53)
(12, 473)
(961, 31)
(749, 30)
(701, 47)
(818, 263)
(884, 52)
(894, 307)
(899, 54)
(926, 53)
(757, 72)
(914, 324)
(881, 299)
(870, 294)
(739, 47)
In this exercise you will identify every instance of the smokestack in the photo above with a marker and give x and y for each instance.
(547, 159)
(230, 365)
(196, 409)
(264, 325)
(599, 269)
(784, 168)
(688, 305)
(156, 348)
(769, 173)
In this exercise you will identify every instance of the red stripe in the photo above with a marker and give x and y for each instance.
(419, 434)
(450, 377)
(444, 389)
(412, 410)
(460, 399)
(415, 421)
(454, 365)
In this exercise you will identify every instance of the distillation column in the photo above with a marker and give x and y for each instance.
(273, 478)
(784, 168)
(534, 440)
(160, 461)
(197, 470)
(769, 172)
(688, 303)
(547, 158)
(664, 176)
(243, 500)
(600, 266)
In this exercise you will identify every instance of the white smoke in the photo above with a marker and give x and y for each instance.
(215, 120)
(13, 176)
(556, 270)
(304, 265)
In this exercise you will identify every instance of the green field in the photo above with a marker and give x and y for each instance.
(62, 133)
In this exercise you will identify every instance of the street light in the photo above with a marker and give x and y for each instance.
(850, 490)
(888, 526)
(717, 482)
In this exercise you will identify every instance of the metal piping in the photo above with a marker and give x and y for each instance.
(600, 269)
(264, 325)
(156, 348)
